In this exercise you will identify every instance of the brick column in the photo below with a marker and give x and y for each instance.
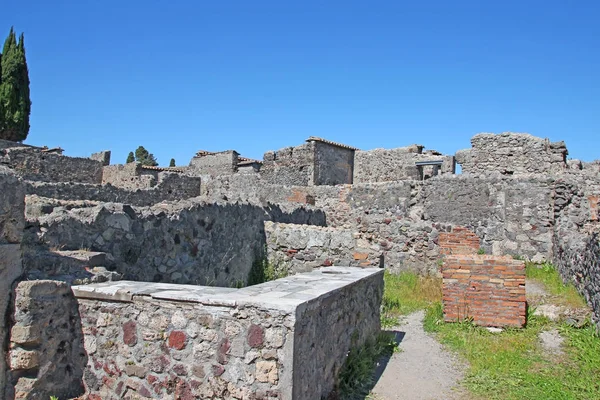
(490, 290)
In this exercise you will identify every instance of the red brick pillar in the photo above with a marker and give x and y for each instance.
(490, 290)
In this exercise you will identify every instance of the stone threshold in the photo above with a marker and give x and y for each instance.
(284, 294)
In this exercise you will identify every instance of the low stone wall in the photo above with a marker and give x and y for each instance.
(34, 164)
(284, 339)
(329, 326)
(12, 222)
(488, 289)
(171, 187)
(293, 248)
(47, 355)
(185, 242)
(129, 176)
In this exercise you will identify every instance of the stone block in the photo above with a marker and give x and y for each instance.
(26, 335)
(266, 371)
(23, 359)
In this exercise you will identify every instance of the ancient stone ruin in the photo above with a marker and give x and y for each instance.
(132, 281)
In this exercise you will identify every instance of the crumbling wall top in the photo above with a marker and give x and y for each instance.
(513, 153)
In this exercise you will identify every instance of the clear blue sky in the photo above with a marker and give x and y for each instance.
(179, 76)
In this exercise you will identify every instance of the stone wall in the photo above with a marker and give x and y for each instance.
(132, 176)
(284, 339)
(185, 242)
(34, 164)
(102, 156)
(214, 164)
(5, 144)
(576, 232)
(578, 261)
(385, 218)
(513, 153)
(47, 355)
(334, 165)
(294, 166)
(170, 187)
(328, 327)
(387, 165)
(403, 220)
(293, 248)
(490, 290)
(12, 222)
(511, 216)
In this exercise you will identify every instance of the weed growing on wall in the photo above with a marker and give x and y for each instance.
(264, 271)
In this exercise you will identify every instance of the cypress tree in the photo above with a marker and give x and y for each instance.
(172, 163)
(15, 104)
(130, 157)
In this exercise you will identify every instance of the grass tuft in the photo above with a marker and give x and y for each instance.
(565, 294)
(513, 364)
(356, 376)
(407, 292)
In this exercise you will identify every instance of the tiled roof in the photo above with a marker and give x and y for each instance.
(318, 139)
(202, 153)
(167, 169)
(247, 161)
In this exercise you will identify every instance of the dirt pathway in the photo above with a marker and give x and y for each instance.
(422, 370)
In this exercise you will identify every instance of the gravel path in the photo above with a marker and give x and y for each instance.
(422, 370)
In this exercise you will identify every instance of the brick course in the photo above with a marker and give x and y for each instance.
(459, 241)
(593, 202)
(488, 289)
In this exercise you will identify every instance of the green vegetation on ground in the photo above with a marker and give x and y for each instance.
(512, 364)
(407, 292)
(563, 294)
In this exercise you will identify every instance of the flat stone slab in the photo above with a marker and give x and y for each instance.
(89, 258)
(284, 294)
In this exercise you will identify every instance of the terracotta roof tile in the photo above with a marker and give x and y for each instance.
(318, 139)
(167, 169)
